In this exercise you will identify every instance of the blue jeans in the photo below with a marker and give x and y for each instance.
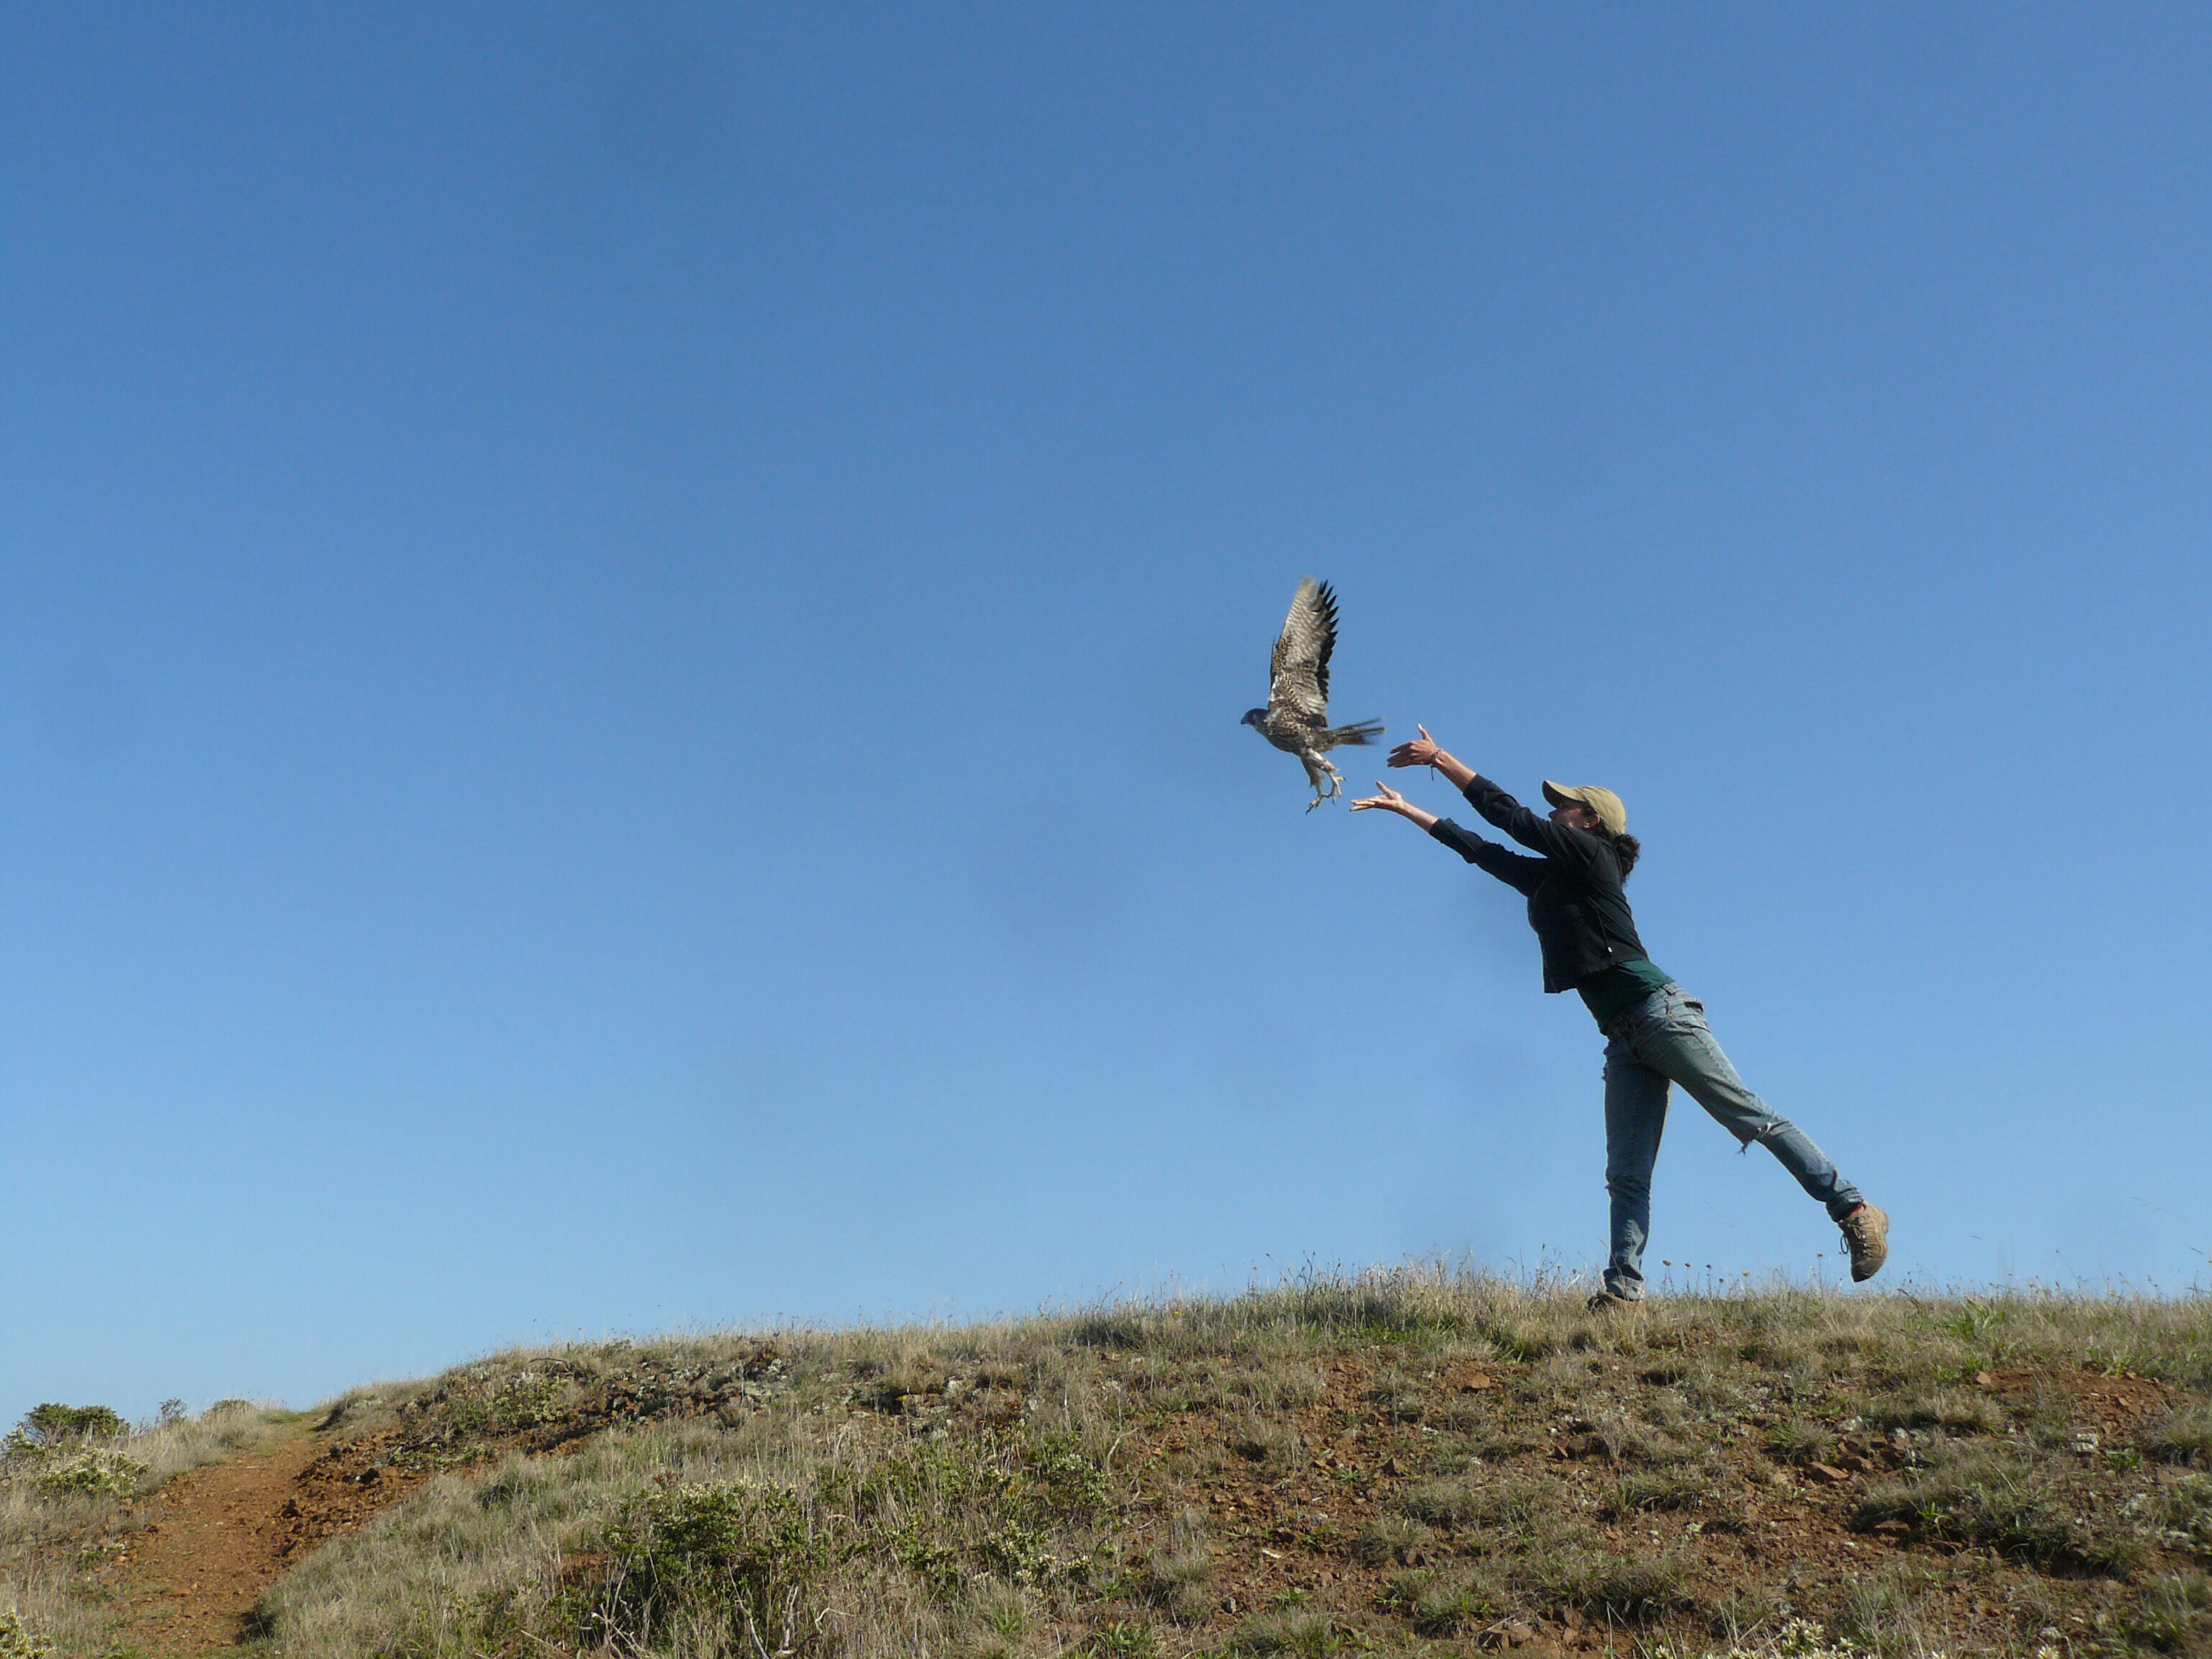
(1662, 1039)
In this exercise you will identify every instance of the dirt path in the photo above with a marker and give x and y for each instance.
(214, 1543)
(219, 1536)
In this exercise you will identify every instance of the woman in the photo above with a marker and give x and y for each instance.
(1656, 1031)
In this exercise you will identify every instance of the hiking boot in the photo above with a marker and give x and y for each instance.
(1607, 1301)
(1866, 1230)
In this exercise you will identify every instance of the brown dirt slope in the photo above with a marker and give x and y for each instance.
(215, 1539)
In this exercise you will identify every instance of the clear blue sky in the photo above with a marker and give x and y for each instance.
(621, 632)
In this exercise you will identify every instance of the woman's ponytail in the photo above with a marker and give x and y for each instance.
(1628, 849)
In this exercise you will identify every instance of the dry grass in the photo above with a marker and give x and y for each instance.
(1109, 1481)
(2184, 1436)
(2020, 1502)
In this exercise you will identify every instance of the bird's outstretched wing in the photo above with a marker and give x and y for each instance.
(1298, 673)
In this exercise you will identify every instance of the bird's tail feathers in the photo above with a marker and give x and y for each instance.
(1362, 731)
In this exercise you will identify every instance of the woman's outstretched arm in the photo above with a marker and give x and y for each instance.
(1523, 874)
(1532, 829)
(1387, 800)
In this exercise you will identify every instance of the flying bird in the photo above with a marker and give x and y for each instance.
(1296, 718)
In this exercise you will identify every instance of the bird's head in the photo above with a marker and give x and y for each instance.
(1253, 717)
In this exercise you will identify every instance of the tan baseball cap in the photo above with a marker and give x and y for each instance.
(1603, 802)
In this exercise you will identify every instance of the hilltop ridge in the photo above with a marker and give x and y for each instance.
(1407, 1461)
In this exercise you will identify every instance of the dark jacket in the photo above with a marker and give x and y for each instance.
(1575, 899)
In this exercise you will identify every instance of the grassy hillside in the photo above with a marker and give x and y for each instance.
(1399, 1463)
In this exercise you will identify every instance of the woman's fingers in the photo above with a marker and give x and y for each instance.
(1420, 752)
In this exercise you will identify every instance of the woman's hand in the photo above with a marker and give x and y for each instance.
(1421, 751)
(1387, 800)
(1426, 750)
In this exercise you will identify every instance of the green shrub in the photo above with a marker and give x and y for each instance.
(519, 1401)
(18, 1641)
(1070, 1473)
(53, 1425)
(1021, 1554)
(47, 1429)
(740, 1558)
(940, 1476)
(96, 1470)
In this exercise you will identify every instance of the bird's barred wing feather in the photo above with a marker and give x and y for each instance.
(1297, 672)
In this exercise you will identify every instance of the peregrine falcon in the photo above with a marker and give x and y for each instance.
(1296, 718)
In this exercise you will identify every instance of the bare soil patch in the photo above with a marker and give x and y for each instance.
(215, 1539)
